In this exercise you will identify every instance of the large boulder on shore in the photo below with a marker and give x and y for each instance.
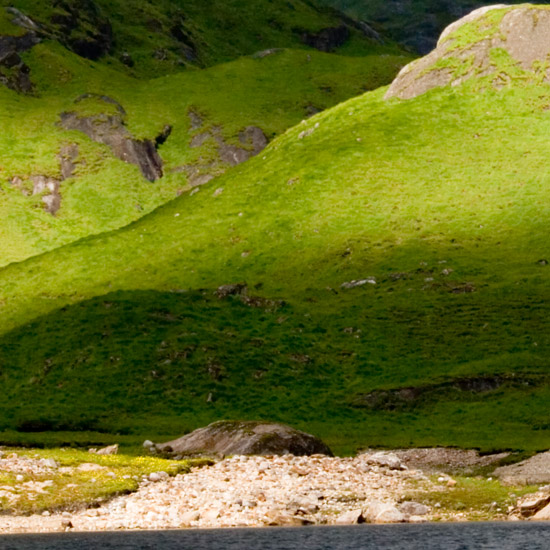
(246, 438)
(497, 42)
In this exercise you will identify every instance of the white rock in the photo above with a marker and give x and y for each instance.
(351, 517)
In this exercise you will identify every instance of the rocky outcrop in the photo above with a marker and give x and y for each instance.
(246, 438)
(465, 50)
(328, 39)
(110, 130)
(81, 27)
(252, 142)
(400, 398)
(47, 186)
(49, 189)
(14, 73)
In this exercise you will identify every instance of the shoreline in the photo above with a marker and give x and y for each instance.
(284, 491)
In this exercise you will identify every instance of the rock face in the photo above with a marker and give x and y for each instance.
(82, 27)
(327, 40)
(14, 73)
(252, 142)
(47, 186)
(77, 24)
(247, 438)
(466, 49)
(110, 130)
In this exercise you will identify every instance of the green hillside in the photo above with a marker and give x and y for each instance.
(149, 38)
(270, 92)
(397, 275)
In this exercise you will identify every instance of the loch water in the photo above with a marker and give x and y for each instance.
(471, 536)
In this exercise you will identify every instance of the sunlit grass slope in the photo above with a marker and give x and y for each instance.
(105, 193)
(442, 199)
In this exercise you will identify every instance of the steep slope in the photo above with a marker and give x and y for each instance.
(411, 257)
(86, 146)
(149, 38)
(415, 24)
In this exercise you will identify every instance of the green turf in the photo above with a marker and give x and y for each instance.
(106, 193)
(442, 199)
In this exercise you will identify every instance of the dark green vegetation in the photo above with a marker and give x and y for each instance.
(439, 205)
(153, 37)
(416, 24)
(271, 93)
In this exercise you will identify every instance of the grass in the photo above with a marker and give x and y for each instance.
(106, 193)
(166, 36)
(449, 218)
(68, 488)
(475, 498)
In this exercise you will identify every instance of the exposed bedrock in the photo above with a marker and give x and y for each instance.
(252, 141)
(327, 40)
(464, 53)
(111, 131)
(49, 187)
(81, 27)
(14, 73)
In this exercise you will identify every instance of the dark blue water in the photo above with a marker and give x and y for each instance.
(480, 536)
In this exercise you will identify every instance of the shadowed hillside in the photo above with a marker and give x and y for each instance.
(389, 264)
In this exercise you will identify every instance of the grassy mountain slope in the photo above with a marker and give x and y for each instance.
(106, 193)
(450, 345)
(441, 340)
(271, 92)
(149, 38)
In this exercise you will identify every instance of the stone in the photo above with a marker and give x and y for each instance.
(361, 282)
(533, 471)
(414, 509)
(542, 515)
(81, 26)
(533, 504)
(278, 518)
(67, 160)
(147, 444)
(237, 289)
(350, 518)
(327, 39)
(382, 512)
(388, 460)
(247, 438)
(188, 518)
(522, 33)
(158, 476)
(14, 73)
(110, 450)
(111, 130)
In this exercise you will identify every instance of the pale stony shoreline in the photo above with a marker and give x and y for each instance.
(257, 491)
